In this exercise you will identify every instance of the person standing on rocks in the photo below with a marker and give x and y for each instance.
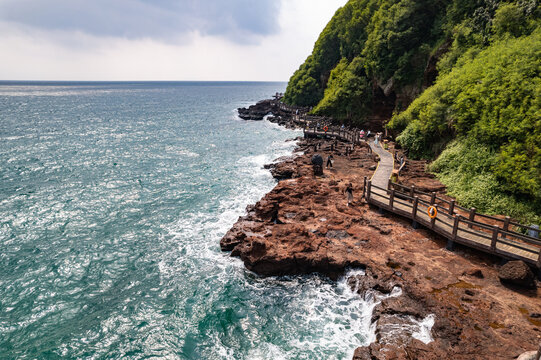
(329, 161)
(349, 193)
(274, 214)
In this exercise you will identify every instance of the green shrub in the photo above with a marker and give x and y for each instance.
(465, 166)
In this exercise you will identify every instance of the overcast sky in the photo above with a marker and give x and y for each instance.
(158, 39)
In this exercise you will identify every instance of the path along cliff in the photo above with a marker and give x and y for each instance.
(304, 225)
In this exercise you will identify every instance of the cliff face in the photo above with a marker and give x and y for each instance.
(372, 53)
(455, 76)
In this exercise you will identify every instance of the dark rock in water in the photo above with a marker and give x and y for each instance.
(517, 273)
(378, 282)
(284, 168)
(257, 111)
(362, 353)
(283, 171)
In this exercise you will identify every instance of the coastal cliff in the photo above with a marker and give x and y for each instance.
(456, 85)
(451, 79)
(304, 225)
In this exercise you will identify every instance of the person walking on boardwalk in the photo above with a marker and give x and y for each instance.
(329, 161)
(349, 193)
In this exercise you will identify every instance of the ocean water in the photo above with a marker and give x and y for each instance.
(113, 199)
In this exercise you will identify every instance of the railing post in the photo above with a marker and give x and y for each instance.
(539, 260)
(415, 205)
(452, 207)
(506, 225)
(364, 188)
(412, 191)
(455, 226)
(391, 199)
(472, 216)
(495, 232)
(368, 189)
(432, 198)
(451, 242)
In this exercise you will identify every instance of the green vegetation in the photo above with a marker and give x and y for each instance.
(491, 103)
(465, 72)
(466, 167)
(372, 39)
(348, 91)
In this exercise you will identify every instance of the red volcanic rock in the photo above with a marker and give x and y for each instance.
(475, 316)
(474, 272)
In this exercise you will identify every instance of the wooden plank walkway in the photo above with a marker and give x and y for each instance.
(456, 228)
(477, 234)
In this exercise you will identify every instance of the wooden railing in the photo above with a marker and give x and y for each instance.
(351, 136)
(451, 207)
(458, 224)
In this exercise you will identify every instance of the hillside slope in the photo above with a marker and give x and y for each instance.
(460, 80)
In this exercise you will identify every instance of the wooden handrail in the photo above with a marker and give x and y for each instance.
(472, 213)
(494, 235)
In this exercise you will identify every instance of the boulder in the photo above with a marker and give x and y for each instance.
(517, 273)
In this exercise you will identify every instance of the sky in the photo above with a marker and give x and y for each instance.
(205, 40)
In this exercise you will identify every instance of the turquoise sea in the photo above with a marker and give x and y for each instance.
(113, 199)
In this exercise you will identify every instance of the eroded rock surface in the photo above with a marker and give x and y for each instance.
(475, 317)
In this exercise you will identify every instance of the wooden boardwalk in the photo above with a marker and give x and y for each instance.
(344, 135)
(501, 237)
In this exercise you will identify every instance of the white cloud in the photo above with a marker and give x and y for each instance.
(33, 54)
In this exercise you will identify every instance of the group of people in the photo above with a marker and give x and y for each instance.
(363, 135)
(366, 135)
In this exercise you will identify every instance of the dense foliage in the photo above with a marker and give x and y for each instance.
(481, 115)
(348, 91)
(388, 39)
(490, 100)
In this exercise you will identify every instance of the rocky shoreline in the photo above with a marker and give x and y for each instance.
(304, 225)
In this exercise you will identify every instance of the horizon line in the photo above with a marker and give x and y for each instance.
(145, 81)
